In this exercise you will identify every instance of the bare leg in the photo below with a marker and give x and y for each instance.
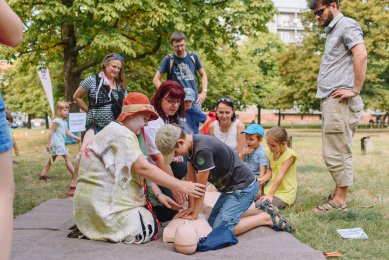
(249, 222)
(47, 166)
(77, 165)
(340, 195)
(7, 187)
(251, 212)
(70, 168)
(87, 139)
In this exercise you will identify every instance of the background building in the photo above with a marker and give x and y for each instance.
(287, 23)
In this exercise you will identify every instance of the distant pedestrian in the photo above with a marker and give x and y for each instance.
(341, 76)
(56, 144)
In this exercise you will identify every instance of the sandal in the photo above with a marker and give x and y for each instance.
(330, 206)
(282, 224)
(76, 233)
(43, 177)
(329, 197)
(70, 194)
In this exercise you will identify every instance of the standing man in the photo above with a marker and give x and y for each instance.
(181, 66)
(341, 76)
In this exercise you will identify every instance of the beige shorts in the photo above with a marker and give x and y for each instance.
(339, 123)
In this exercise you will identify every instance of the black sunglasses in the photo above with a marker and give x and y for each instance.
(116, 56)
(320, 11)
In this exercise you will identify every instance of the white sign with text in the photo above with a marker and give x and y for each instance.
(352, 233)
(77, 122)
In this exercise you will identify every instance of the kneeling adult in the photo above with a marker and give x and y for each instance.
(109, 202)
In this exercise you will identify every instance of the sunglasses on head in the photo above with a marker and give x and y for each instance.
(320, 11)
(116, 56)
(225, 99)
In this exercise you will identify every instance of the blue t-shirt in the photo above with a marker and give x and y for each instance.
(194, 117)
(257, 159)
(183, 70)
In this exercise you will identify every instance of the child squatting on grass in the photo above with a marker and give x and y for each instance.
(254, 155)
(281, 190)
(211, 160)
(56, 144)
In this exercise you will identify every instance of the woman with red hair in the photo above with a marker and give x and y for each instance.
(168, 101)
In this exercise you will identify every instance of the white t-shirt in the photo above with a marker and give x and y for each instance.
(229, 138)
(150, 132)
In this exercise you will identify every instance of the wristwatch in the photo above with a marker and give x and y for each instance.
(356, 92)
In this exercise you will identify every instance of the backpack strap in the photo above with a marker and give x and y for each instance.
(192, 58)
(191, 55)
(113, 99)
(171, 63)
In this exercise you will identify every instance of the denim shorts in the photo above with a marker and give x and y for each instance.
(230, 206)
(5, 137)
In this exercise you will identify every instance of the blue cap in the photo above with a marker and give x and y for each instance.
(254, 129)
(189, 94)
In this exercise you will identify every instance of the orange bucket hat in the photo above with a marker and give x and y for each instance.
(136, 103)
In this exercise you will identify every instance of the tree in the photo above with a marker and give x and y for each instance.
(249, 74)
(23, 91)
(79, 33)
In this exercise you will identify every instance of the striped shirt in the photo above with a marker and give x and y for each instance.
(101, 116)
(336, 68)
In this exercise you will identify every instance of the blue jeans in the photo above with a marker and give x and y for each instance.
(230, 206)
(5, 137)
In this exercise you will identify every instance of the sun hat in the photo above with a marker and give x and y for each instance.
(166, 140)
(136, 103)
(254, 129)
(190, 95)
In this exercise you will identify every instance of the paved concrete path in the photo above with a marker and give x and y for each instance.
(41, 234)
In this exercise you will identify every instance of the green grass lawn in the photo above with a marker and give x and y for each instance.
(368, 200)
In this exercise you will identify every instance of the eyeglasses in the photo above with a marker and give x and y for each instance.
(173, 101)
(319, 12)
(116, 56)
(226, 99)
(182, 45)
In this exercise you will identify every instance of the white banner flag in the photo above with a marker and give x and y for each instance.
(44, 76)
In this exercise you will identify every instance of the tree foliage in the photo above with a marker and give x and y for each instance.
(78, 33)
(23, 91)
(248, 74)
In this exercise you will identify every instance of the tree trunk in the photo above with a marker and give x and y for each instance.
(259, 114)
(71, 75)
(47, 120)
(29, 121)
(279, 117)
